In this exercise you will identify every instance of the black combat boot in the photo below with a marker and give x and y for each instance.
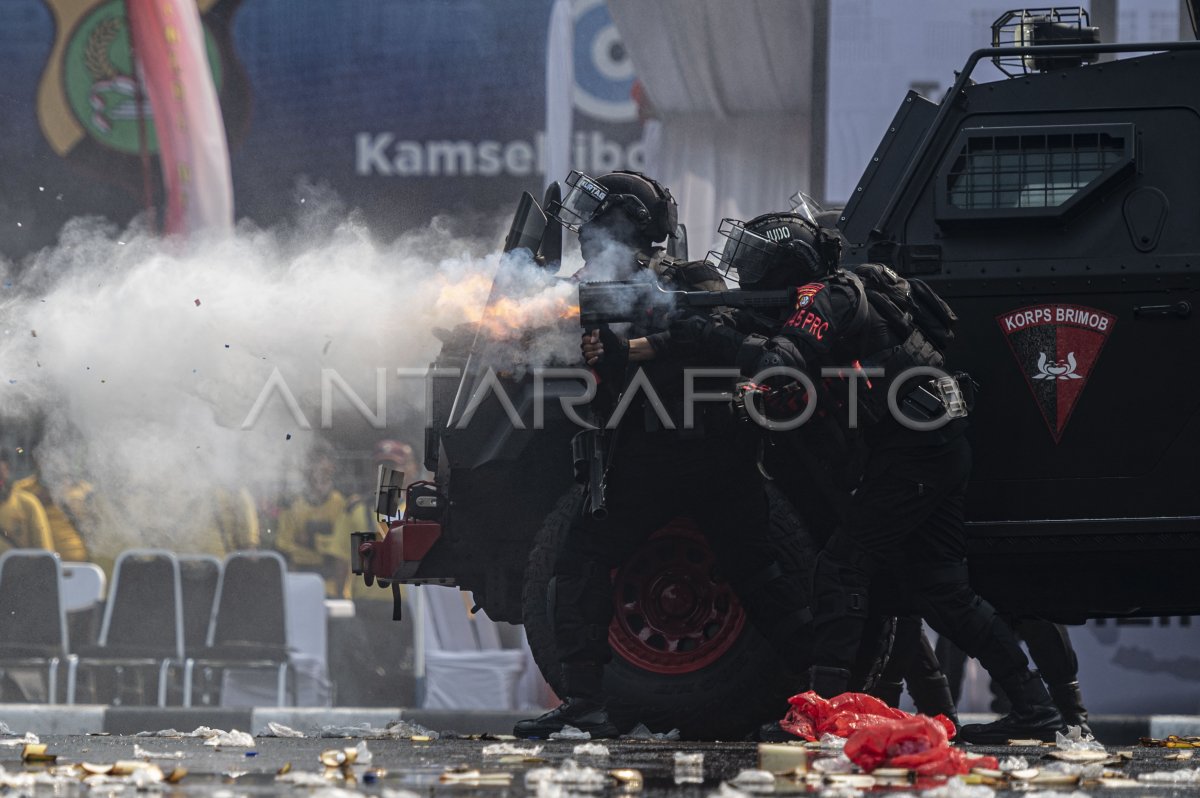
(828, 682)
(1069, 701)
(584, 707)
(1033, 715)
(932, 696)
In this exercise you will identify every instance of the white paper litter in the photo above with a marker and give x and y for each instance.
(232, 738)
(591, 749)
(833, 764)
(571, 733)
(142, 753)
(365, 757)
(4, 730)
(832, 741)
(29, 738)
(569, 777)
(957, 788)
(387, 792)
(1089, 770)
(754, 781)
(1075, 740)
(1184, 776)
(395, 730)
(642, 732)
(279, 730)
(1011, 763)
(508, 749)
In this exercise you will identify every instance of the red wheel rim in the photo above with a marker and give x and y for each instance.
(672, 613)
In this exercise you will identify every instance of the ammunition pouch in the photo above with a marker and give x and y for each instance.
(749, 354)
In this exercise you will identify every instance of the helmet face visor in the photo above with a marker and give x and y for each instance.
(581, 203)
(746, 255)
(805, 207)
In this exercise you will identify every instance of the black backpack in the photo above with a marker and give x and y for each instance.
(907, 304)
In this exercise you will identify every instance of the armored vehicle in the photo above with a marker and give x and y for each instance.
(1056, 210)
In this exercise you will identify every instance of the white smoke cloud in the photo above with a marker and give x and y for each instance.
(145, 356)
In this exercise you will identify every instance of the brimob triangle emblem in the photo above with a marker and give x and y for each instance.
(1056, 347)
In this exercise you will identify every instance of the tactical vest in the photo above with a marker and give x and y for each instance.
(919, 324)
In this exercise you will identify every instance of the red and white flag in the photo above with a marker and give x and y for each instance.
(168, 39)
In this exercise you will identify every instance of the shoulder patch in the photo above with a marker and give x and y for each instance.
(805, 294)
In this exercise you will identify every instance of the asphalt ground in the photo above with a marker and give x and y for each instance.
(399, 765)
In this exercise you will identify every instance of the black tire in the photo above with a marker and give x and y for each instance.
(726, 699)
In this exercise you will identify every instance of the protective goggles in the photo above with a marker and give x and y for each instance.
(806, 207)
(746, 256)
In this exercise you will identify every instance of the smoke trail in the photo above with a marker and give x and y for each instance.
(144, 357)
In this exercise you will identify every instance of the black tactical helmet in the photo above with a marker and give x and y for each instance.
(642, 200)
(774, 250)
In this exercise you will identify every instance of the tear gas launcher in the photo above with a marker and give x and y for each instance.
(617, 302)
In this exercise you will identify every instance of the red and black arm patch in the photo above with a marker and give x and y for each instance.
(811, 316)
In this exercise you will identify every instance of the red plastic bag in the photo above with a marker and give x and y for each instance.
(811, 716)
(917, 742)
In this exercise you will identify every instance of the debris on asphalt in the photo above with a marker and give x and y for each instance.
(628, 779)
(591, 749)
(1011, 763)
(36, 752)
(29, 738)
(1027, 743)
(1054, 794)
(1080, 755)
(1184, 776)
(1170, 742)
(1179, 756)
(754, 781)
(833, 764)
(642, 732)
(397, 729)
(142, 753)
(832, 741)
(783, 758)
(4, 730)
(689, 768)
(508, 749)
(1075, 740)
(231, 739)
(570, 733)
(469, 777)
(279, 730)
(569, 777)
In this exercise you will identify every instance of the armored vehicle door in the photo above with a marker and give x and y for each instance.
(1057, 213)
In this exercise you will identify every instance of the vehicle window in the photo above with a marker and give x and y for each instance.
(1030, 171)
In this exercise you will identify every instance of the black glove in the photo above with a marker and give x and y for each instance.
(611, 365)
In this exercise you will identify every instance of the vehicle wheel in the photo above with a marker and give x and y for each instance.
(684, 655)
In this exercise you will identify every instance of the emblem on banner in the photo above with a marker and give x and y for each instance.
(1056, 347)
(87, 100)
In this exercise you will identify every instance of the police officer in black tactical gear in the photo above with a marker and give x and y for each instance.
(906, 514)
(659, 468)
(1051, 650)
